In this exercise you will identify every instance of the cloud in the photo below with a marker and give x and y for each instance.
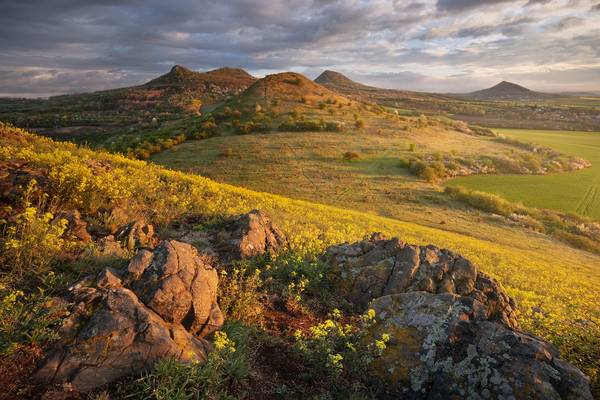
(464, 5)
(79, 45)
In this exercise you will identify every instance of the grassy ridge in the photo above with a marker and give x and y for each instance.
(555, 285)
(577, 192)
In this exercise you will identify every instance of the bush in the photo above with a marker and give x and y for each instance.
(482, 201)
(240, 295)
(250, 127)
(359, 123)
(32, 243)
(332, 347)
(227, 366)
(25, 320)
(311, 126)
(226, 152)
(350, 155)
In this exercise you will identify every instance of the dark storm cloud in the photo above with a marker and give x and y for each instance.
(61, 46)
(464, 5)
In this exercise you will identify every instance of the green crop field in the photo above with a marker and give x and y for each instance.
(577, 192)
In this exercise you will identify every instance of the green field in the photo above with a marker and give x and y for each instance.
(577, 192)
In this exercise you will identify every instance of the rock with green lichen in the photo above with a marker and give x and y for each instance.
(368, 269)
(441, 348)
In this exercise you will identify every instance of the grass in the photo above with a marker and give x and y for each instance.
(577, 192)
(540, 273)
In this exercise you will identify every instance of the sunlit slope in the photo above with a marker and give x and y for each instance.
(534, 269)
(577, 192)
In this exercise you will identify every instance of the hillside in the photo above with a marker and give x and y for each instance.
(507, 91)
(288, 87)
(99, 183)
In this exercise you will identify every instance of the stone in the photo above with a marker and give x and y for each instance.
(136, 234)
(76, 228)
(453, 330)
(248, 235)
(112, 334)
(108, 246)
(441, 347)
(378, 266)
(123, 321)
(179, 284)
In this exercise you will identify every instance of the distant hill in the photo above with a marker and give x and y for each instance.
(392, 97)
(179, 92)
(507, 91)
(222, 81)
(338, 80)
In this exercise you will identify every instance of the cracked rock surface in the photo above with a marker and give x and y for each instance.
(453, 330)
(248, 235)
(122, 322)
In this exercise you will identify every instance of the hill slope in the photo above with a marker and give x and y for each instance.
(540, 273)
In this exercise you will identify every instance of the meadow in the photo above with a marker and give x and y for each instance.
(576, 192)
(555, 285)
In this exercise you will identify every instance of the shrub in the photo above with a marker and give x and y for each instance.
(226, 152)
(250, 127)
(350, 155)
(481, 131)
(359, 123)
(412, 147)
(240, 295)
(482, 201)
(226, 367)
(333, 347)
(25, 320)
(32, 243)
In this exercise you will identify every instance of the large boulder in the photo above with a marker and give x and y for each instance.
(372, 268)
(453, 330)
(122, 322)
(179, 284)
(111, 334)
(248, 235)
(443, 347)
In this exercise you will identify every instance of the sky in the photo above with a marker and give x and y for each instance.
(51, 47)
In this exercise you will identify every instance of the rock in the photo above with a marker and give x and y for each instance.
(121, 322)
(249, 235)
(77, 228)
(453, 330)
(372, 268)
(179, 285)
(111, 334)
(443, 347)
(136, 234)
(108, 246)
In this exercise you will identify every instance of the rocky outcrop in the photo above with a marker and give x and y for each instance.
(453, 330)
(248, 235)
(440, 348)
(124, 321)
(372, 268)
(179, 285)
